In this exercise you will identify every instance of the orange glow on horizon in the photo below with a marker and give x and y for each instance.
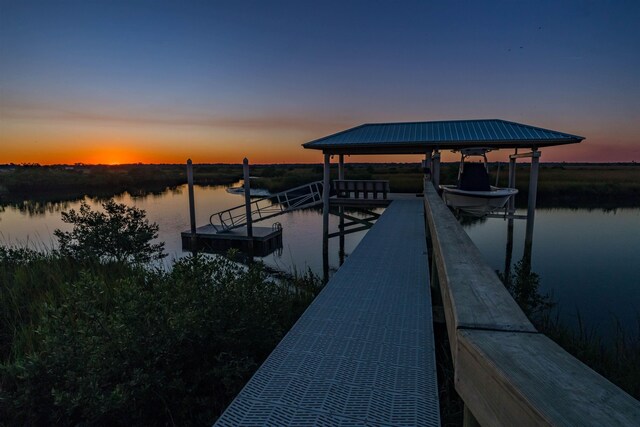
(57, 144)
(260, 154)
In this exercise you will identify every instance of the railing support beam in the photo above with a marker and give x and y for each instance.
(326, 190)
(192, 206)
(512, 182)
(436, 169)
(468, 420)
(531, 205)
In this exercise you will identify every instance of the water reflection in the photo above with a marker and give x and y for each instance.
(589, 260)
(302, 230)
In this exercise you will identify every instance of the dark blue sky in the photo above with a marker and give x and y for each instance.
(167, 80)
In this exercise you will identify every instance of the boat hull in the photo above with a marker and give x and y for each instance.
(254, 192)
(476, 203)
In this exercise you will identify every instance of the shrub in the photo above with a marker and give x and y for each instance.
(120, 233)
(150, 347)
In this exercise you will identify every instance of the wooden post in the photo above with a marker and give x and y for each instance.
(326, 190)
(192, 206)
(426, 168)
(436, 169)
(341, 166)
(341, 254)
(468, 420)
(531, 205)
(512, 182)
(509, 251)
(247, 203)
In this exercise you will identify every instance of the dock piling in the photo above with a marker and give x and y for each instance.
(326, 191)
(192, 207)
(531, 205)
(247, 202)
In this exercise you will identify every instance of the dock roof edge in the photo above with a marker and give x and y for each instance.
(418, 137)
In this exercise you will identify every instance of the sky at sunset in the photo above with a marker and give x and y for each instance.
(161, 81)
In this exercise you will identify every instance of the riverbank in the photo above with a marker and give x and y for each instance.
(64, 182)
(560, 184)
(586, 185)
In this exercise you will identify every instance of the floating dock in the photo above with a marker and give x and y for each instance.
(265, 240)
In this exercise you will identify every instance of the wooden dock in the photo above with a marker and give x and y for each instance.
(363, 352)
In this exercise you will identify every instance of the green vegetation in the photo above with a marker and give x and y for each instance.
(87, 337)
(560, 184)
(55, 183)
(120, 233)
(584, 185)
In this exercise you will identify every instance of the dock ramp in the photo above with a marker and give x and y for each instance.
(304, 196)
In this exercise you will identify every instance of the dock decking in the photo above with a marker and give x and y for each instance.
(362, 354)
(264, 240)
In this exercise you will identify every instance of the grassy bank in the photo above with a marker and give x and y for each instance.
(56, 183)
(560, 185)
(94, 342)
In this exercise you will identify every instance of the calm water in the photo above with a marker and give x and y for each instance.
(302, 230)
(589, 260)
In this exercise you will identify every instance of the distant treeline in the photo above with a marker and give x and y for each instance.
(606, 185)
(61, 182)
(560, 184)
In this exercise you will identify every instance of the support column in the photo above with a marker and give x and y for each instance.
(508, 256)
(468, 420)
(531, 205)
(426, 168)
(247, 203)
(436, 169)
(512, 182)
(192, 206)
(341, 254)
(326, 190)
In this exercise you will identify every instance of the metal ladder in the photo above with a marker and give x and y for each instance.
(305, 196)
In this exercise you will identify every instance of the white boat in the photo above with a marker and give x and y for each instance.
(254, 192)
(473, 193)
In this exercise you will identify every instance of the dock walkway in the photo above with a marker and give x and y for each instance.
(362, 354)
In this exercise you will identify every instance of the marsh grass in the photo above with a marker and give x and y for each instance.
(560, 184)
(615, 357)
(589, 185)
(58, 183)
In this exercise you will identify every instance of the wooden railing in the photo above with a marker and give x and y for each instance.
(355, 188)
(506, 372)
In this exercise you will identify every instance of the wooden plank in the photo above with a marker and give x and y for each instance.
(472, 294)
(510, 378)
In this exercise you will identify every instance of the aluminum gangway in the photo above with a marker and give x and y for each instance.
(304, 196)
(363, 353)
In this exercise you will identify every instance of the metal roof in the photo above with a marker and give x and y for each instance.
(417, 137)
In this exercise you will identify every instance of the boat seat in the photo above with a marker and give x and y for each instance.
(474, 177)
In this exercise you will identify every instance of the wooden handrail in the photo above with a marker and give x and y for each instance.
(346, 187)
(506, 372)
